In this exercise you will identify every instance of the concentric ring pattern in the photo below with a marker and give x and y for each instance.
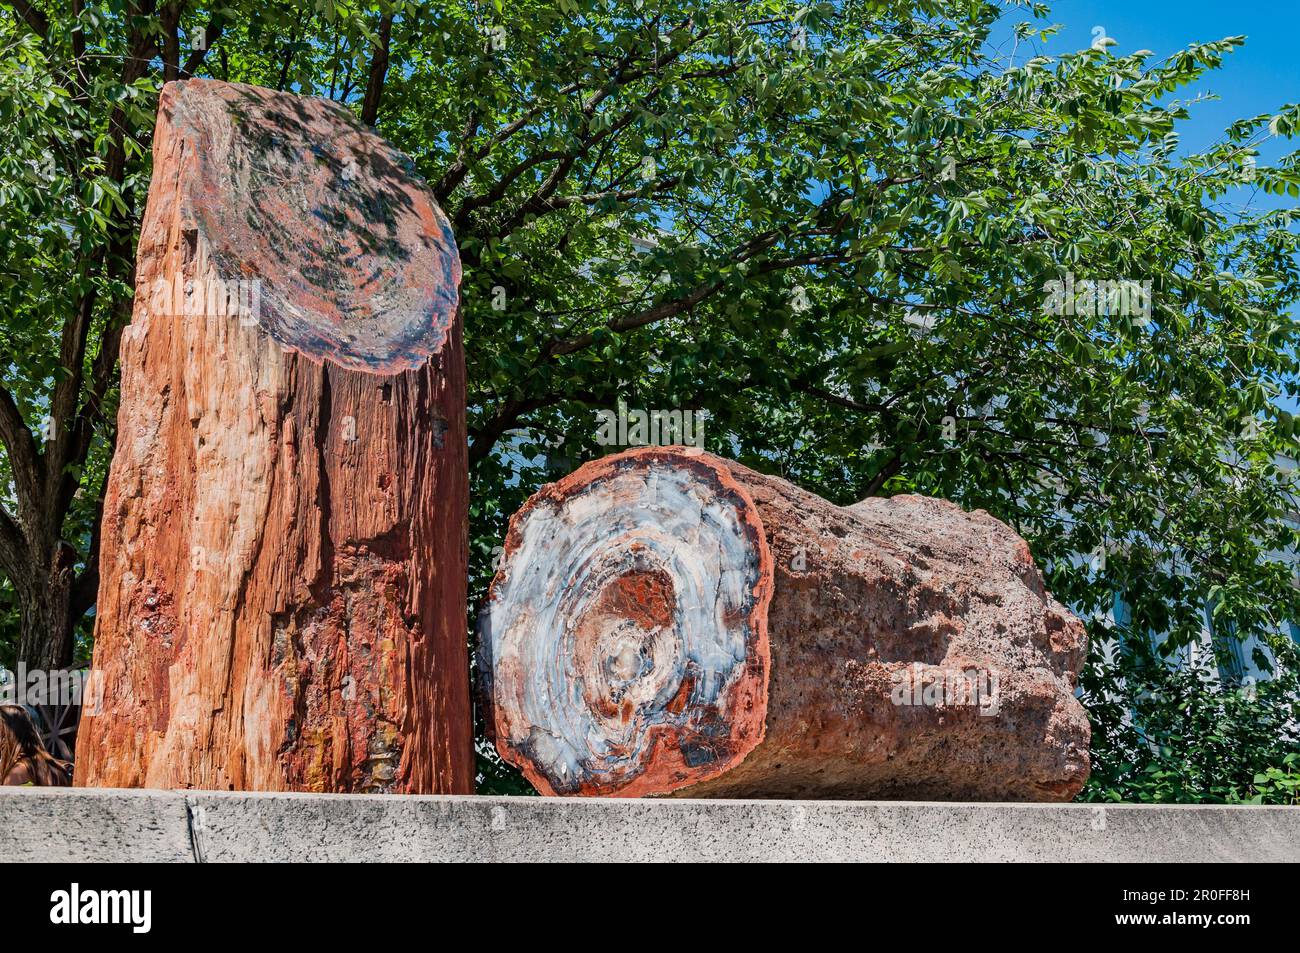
(626, 630)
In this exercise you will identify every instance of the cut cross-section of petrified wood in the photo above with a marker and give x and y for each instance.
(282, 592)
(665, 620)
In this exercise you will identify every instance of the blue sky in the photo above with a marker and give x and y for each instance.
(1257, 78)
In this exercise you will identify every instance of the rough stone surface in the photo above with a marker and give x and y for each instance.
(282, 588)
(78, 825)
(668, 621)
(68, 825)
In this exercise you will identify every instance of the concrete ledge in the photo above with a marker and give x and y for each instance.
(76, 824)
(71, 824)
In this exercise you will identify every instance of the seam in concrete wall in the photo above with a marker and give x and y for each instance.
(197, 829)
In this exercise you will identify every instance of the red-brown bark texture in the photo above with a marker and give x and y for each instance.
(665, 621)
(285, 528)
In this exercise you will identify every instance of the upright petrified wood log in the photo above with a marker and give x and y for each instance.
(284, 552)
(668, 621)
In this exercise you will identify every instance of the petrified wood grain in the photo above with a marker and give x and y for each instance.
(282, 591)
(665, 620)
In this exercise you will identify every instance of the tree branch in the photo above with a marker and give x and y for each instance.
(14, 558)
(456, 172)
(85, 588)
(170, 17)
(538, 108)
(24, 458)
(36, 20)
(378, 70)
(288, 51)
(485, 437)
(665, 309)
(622, 75)
(882, 476)
(211, 33)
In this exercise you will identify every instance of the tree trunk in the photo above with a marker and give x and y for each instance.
(46, 618)
(668, 621)
(282, 593)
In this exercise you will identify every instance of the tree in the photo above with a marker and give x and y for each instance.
(72, 166)
(1178, 733)
(835, 228)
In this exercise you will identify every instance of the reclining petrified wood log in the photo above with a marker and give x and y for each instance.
(665, 620)
(282, 596)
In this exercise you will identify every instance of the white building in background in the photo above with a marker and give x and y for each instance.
(1236, 660)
